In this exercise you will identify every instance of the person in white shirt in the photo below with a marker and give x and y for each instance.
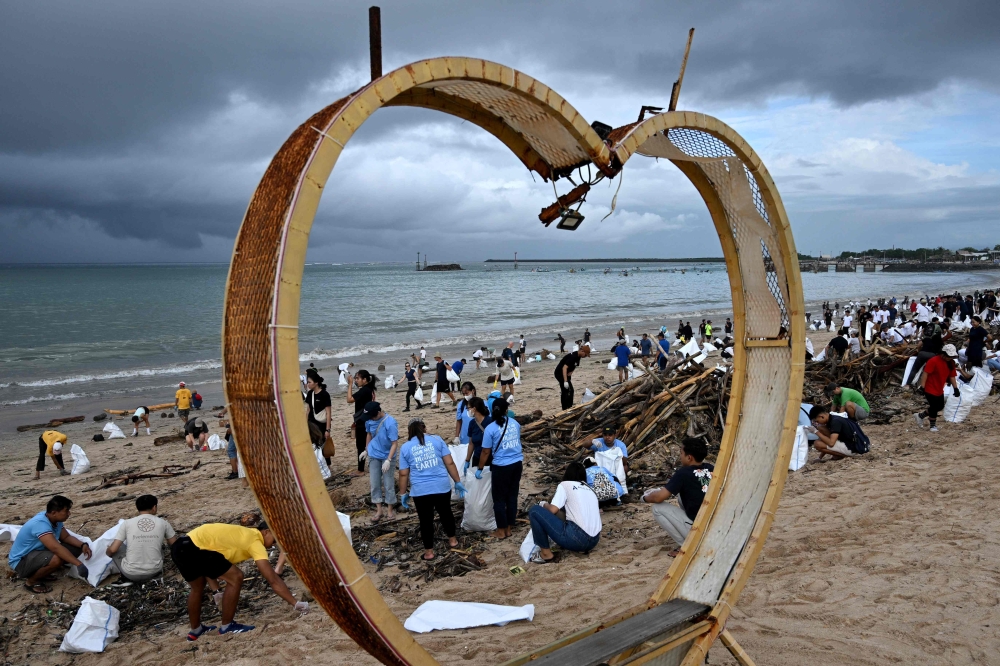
(891, 336)
(848, 319)
(137, 548)
(581, 531)
(923, 313)
(141, 414)
(478, 357)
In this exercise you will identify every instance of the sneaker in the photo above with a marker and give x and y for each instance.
(232, 475)
(934, 428)
(203, 629)
(236, 628)
(920, 421)
(407, 409)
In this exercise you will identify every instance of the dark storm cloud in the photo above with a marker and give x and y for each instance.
(91, 86)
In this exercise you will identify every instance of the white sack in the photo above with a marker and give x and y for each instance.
(613, 365)
(551, 357)
(345, 523)
(634, 372)
(452, 376)
(432, 615)
(343, 378)
(528, 547)
(909, 368)
(434, 392)
(700, 358)
(418, 395)
(812, 327)
(690, 349)
(215, 443)
(94, 628)
(324, 469)
(800, 450)
(709, 348)
(390, 382)
(612, 460)
(99, 566)
(517, 376)
(587, 396)
(9, 532)
(458, 453)
(820, 356)
(240, 471)
(478, 515)
(868, 330)
(81, 463)
(809, 347)
(114, 432)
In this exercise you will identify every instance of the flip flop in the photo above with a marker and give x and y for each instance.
(37, 588)
(555, 559)
(428, 559)
(376, 520)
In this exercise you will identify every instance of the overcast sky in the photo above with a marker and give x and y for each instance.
(136, 131)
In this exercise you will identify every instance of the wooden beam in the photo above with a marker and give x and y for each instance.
(767, 342)
(739, 654)
(676, 91)
(375, 41)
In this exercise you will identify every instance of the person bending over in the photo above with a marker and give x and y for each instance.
(210, 553)
(835, 436)
(51, 444)
(136, 549)
(689, 485)
(581, 530)
(196, 434)
(140, 414)
(42, 546)
(848, 400)
(564, 374)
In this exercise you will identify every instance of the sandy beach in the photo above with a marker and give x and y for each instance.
(884, 559)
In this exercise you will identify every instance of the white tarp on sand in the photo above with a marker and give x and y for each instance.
(433, 615)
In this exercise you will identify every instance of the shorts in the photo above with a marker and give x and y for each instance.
(444, 386)
(195, 563)
(231, 448)
(507, 382)
(860, 413)
(841, 448)
(183, 414)
(32, 562)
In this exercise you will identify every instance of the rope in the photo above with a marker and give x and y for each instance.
(327, 136)
(614, 201)
(353, 581)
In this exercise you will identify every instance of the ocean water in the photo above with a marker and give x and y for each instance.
(83, 336)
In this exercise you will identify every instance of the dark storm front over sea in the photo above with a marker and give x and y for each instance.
(75, 339)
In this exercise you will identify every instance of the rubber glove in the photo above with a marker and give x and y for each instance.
(461, 489)
(302, 606)
(566, 385)
(479, 473)
(82, 570)
(958, 394)
(465, 470)
(385, 466)
(456, 440)
(362, 456)
(404, 501)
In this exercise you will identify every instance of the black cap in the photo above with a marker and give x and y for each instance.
(371, 409)
(262, 525)
(609, 429)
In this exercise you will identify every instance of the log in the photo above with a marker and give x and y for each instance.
(54, 423)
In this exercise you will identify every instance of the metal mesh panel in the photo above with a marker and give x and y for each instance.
(758, 439)
(539, 128)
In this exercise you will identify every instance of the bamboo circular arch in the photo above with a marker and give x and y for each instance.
(261, 351)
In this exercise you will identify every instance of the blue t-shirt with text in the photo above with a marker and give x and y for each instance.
(463, 414)
(508, 451)
(384, 432)
(428, 475)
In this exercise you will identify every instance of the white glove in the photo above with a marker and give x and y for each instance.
(566, 385)
(456, 440)
(302, 606)
(218, 599)
(362, 456)
(385, 466)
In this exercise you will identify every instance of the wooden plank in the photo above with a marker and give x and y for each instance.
(767, 342)
(633, 632)
(736, 649)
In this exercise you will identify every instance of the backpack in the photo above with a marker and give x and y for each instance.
(861, 444)
(604, 487)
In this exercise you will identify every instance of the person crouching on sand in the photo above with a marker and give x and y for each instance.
(689, 484)
(581, 530)
(196, 434)
(51, 444)
(210, 553)
(425, 464)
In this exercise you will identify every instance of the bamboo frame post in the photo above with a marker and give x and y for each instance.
(735, 649)
(675, 92)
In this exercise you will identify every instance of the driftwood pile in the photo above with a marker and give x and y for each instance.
(648, 413)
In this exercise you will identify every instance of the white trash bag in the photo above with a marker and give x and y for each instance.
(343, 378)
(390, 382)
(418, 395)
(215, 443)
(458, 453)
(551, 357)
(613, 365)
(517, 376)
(99, 565)
(587, 396)
(345, 522)
(452, 376)
(324, 469)
(528, 547)
(9, 532)
(800, 450)
(611, 460)
(690, 349)
(478, 515)
(81, 463)
(114, 432)
(94, 628)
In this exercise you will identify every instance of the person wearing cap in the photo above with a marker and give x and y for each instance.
(938, 371)
(182, 401)
(502, 440)
(848, 400)
(608, 441)
(142, 413)
(425, 465)
(441, 380)
(196, 433)
(382, 434)
(210, 553)
(51, 444)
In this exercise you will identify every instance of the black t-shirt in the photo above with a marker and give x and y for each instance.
(840, 345)
(411, 376)
(690, 483)
(839, 426)
(569, 361)
(317, 403)
(949, 309)
(507, 353)
(191, 429)
(442, 372)
(363, 396)
(977, 340)
(586, 336)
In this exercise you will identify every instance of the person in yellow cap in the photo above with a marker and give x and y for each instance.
(182, 402)
(51, 443)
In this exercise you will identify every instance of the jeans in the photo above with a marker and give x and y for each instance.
(566, 533)
(426, 505)
(506, 483)
(566, 394)
(994, 364)
(674, 520)
(380, 481)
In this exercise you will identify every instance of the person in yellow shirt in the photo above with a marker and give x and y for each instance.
(182, 402)
(209, 553)
(51, 444)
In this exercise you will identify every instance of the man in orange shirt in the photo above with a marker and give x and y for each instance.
(938, 371)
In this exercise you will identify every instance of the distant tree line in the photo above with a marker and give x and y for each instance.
(919, 254)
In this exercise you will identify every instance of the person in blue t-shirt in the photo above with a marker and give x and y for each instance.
(42, 546)
(502, 440)
(425, 464)
(457, 368)
(380, 449)
(663, 351)
(463, 415)
(622, 353)
(646, 346)
(480, 419)
(608, 442)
